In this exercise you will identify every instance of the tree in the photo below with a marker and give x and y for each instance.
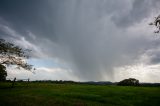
(156, 23)
(3, 73)
(11, 54)
(129, 82)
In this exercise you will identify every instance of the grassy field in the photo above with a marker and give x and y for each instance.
(48, 94)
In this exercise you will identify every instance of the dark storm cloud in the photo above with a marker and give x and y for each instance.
(88, 35)
(155, 60)
(139, 10)
(154, 56)
(34, 15)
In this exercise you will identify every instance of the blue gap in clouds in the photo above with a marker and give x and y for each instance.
(49, 63)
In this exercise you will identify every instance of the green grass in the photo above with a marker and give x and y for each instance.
(48, 94)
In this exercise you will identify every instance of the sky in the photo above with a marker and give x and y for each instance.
(84, 40)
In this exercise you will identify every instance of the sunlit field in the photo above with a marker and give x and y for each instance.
(49, 94)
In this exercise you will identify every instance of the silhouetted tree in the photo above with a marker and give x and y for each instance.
(156, 23)
(129, 82)
(11, 54)
(3, 73)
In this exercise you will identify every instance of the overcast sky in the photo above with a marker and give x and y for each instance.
(84, 40)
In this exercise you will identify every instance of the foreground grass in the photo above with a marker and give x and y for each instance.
(48, 94)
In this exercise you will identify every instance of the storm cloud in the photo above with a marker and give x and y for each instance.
(89, 37)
